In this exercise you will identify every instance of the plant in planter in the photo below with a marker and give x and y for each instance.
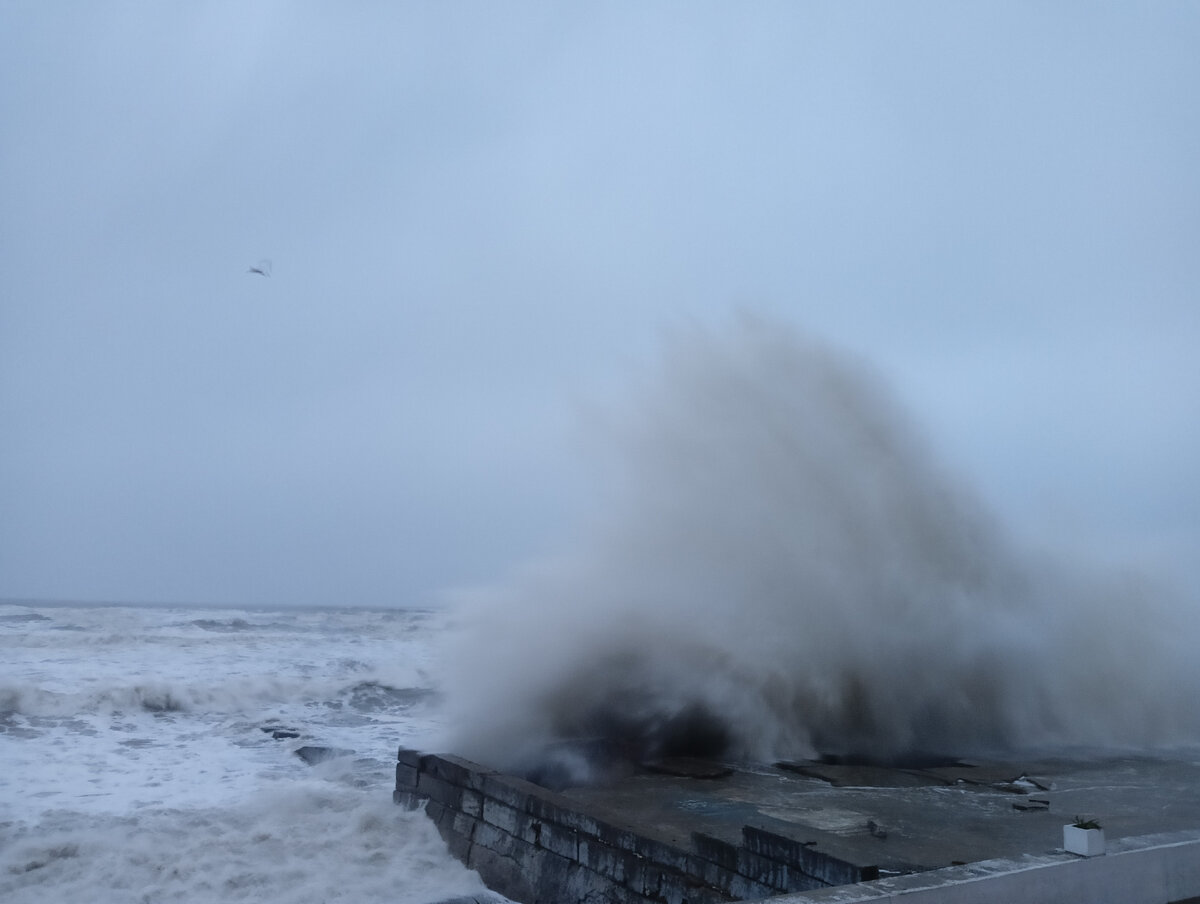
(1084, 837)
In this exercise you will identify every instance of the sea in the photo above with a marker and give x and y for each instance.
(192, 754)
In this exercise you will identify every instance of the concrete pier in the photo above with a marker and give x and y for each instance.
(688, 832)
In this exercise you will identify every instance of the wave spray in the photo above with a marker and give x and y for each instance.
(779, 568)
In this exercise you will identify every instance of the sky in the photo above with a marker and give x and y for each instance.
(482, 217)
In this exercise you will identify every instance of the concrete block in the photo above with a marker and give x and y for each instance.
(407, 799)
(428, 785)
(673, 887)
(472, 803)
(434, 811)
(715, 876)
(410, 758)
(501, 788)
(716, 851)
(514, 867)
(501, 815)
(769, 844)
(554, 875)
(583, 823)
(550, 807)
(743, 888)
(680, 888)
(807, 859)
(456, 770)
(615, 835)
(530, 829)
(559, 840)
(671, 890)
(763, 870)
(458, 845)
(542, 834)
(494, 839)
(613, 864)
(504, 874)
(463, 825)
(659, 852)
(406, 776)
(584, 886)
(586, 825)
(798, 880)
(639, 873)
(641, 876)
(517, 792)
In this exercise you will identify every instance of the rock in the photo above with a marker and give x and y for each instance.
(1031, 804)
(688, 767)
(314, 755)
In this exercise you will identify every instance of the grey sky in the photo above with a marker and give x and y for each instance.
(480, 214)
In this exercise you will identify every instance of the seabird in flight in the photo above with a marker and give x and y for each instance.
(263, 268)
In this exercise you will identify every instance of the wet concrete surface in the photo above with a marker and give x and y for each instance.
(905, 820)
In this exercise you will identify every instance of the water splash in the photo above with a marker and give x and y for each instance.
(780, 568)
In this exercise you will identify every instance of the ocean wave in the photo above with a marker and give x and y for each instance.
(22, 618)
(149, 697)
(240, 696)
(310, 842)
(779, 568)
(373, 696)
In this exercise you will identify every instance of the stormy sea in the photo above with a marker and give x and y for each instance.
(777, 567)
(193, 754)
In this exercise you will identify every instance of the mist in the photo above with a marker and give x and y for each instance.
(777, 565)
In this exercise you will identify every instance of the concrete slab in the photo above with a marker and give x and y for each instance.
(688, 831)
(908, 820)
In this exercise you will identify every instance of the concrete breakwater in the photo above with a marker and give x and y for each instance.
(538, 846)
(676, 831)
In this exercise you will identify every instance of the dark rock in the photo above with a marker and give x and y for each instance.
(1031, 804)
(282, 733)
(314, 755)
(687, 767)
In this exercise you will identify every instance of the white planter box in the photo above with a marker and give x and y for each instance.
(1085, 842)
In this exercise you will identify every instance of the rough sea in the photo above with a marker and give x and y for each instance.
(151, 754)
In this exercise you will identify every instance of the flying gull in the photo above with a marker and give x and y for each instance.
(262, 269)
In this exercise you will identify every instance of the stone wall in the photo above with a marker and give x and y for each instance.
(539, 847)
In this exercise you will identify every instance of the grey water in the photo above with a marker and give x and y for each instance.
(150, 754)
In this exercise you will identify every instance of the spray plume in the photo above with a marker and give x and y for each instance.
(779, 569)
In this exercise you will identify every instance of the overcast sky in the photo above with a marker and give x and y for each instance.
(481, 214)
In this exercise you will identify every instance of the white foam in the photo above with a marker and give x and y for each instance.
(141, 762)
(307, 841)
